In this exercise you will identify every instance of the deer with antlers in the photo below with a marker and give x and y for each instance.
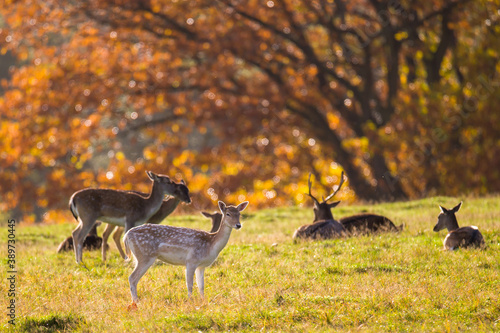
(457, 237)
(194, 249)
(122, 208)
(324, 226)
(352, 225)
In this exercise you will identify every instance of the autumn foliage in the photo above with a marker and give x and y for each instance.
(243, 99)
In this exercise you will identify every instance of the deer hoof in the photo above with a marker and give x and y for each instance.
(132, 307)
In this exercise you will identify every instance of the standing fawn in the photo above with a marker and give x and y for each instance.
(195, 249)
(457, 237)
(324, 226)
(121, 208)
(166, 208)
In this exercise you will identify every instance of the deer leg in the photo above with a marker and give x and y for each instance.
(79, 235)
(190, 269)
(105, 235)
(143, 264)
(117, 237)
(200, 280)
(130, 223)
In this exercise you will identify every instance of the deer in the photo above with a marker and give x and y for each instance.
(121, 208)
(166, 208)
(216, 220)
(368, 223)
(92, 242)
(192, 248)
(457, 237)
(324, 225)
(360, 223)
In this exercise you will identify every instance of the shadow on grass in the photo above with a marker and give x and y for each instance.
(51, 323)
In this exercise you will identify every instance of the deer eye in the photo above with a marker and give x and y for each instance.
(228, 214)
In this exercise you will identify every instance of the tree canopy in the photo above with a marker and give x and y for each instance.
(243, 99)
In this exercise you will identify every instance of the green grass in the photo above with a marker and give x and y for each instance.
(263, 280)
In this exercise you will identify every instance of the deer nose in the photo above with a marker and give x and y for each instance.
(237, 226)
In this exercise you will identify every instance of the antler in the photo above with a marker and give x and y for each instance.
(338, 188)
(309, 183)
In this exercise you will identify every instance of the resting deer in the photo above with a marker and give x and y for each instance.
(216, 219)
(368, 223)
(195, 249)
(324, 226)
(166, 208)
(121, 208)
(92, 242)
(457, 237)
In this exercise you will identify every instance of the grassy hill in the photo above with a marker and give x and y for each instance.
(263, 280)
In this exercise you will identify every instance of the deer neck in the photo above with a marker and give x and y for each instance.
(452, 223)
(221, 237)
(171, 204)
(323, 217)
(155, 198)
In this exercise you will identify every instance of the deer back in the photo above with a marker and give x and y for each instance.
(367, 223)
(320, 230)
(464, 237)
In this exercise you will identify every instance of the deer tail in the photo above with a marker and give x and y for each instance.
(126, 241)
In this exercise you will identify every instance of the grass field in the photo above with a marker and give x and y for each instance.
(264, 281)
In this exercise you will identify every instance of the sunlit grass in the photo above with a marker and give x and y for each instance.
(263, 280)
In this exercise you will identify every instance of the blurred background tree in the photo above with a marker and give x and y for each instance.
(243, 99)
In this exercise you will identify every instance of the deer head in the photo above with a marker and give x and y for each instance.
(447, 218)
(178, 190)
(322, 210)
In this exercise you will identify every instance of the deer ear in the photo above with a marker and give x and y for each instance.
(333, 204)
(241, 207)
(206, 214)
(183, 182)
(151, 175)
(222, 206)
(443, 210)
(457, 207)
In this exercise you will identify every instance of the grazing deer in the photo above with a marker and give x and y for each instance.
(166, 208)
(324, 226)
(92, 242)
(195, 249)
(216, 219)
(121, 208)
(457, 237)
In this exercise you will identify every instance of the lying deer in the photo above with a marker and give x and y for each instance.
(166, 208)
(121, 208)
(457, 237)
(195, 249)
(368, 223)
(360, 223)
(324, 226)
(92, 242)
